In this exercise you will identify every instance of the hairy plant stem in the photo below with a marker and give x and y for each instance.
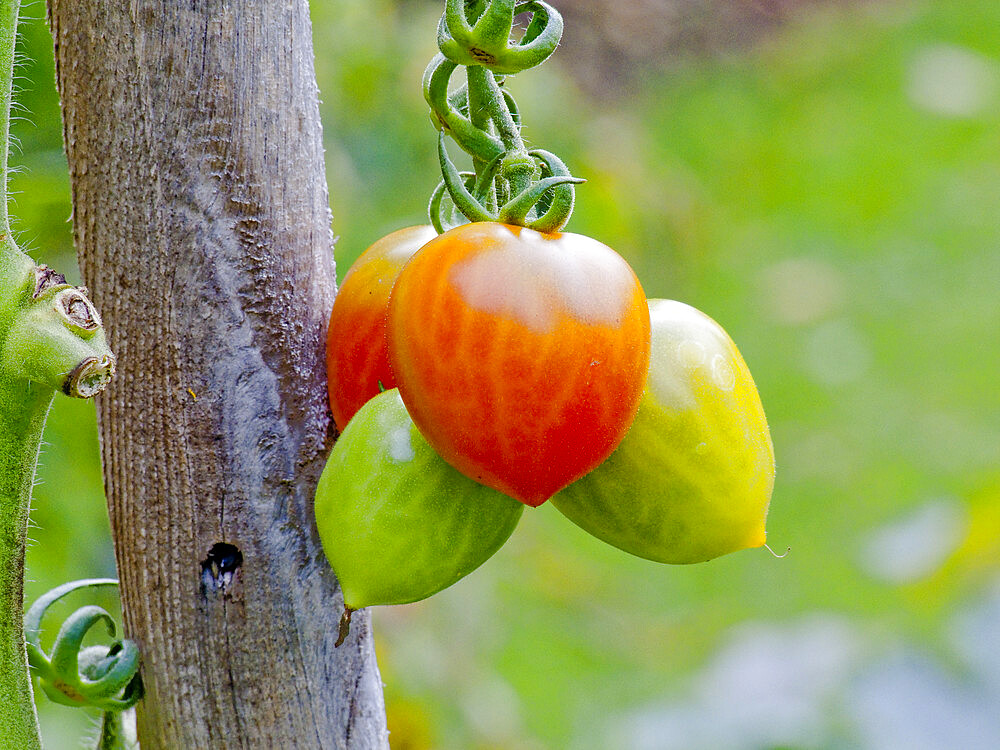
(113, 735)
(23, 408)
(488, 112)
(50, 338)
(8, 33)
(479, 113)
(22, 418)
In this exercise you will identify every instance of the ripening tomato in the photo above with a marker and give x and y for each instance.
(693, 478)
(356, 355)
(520, 356)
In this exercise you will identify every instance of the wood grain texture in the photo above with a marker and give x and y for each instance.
(202, 224)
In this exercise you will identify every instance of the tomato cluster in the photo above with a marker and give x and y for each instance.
(528, 366)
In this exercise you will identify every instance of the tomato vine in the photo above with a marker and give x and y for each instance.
(509, 183)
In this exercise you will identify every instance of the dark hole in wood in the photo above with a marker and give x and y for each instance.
(218, 570)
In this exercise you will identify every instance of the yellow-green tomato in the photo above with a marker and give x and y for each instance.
(692, 479)
(397, 523)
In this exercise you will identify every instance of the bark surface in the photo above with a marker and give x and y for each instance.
(202, 224)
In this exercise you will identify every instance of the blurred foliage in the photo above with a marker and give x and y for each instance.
(614, 43)
(831, 197)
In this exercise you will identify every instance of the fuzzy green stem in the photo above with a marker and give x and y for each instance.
(479, 109)
(21, 423)
(113, 733)
(23, 408)
(474, 141)
(517, 170)
(8, 34)
(508, 130)
(478, 33)
(50, 338)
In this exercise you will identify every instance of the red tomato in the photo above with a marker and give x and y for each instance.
(356, 355)
(520, 356)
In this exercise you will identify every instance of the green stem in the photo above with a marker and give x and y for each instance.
(50, 338)
(472, 140)
(479, 109)
(23, 408)
(111, 731)
(113, 735)
(508, 130)
(21, 422)
(518, 170)
(8, 34)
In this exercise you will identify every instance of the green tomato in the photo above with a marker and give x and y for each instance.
(397, 523)
(692, 479)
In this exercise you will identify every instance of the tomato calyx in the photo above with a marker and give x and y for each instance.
(526, 208)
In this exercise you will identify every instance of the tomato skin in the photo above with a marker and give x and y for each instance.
(520, 356)
(693, 478)
(356, 355)
(397, 523)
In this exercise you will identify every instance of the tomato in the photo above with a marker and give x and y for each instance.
(693, 478)
(396, 522)
(356, 355)
(520, 356)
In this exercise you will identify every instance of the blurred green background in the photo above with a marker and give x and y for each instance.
(828, 188)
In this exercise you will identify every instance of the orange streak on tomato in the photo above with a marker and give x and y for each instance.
(520, 357)
(356, 355)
